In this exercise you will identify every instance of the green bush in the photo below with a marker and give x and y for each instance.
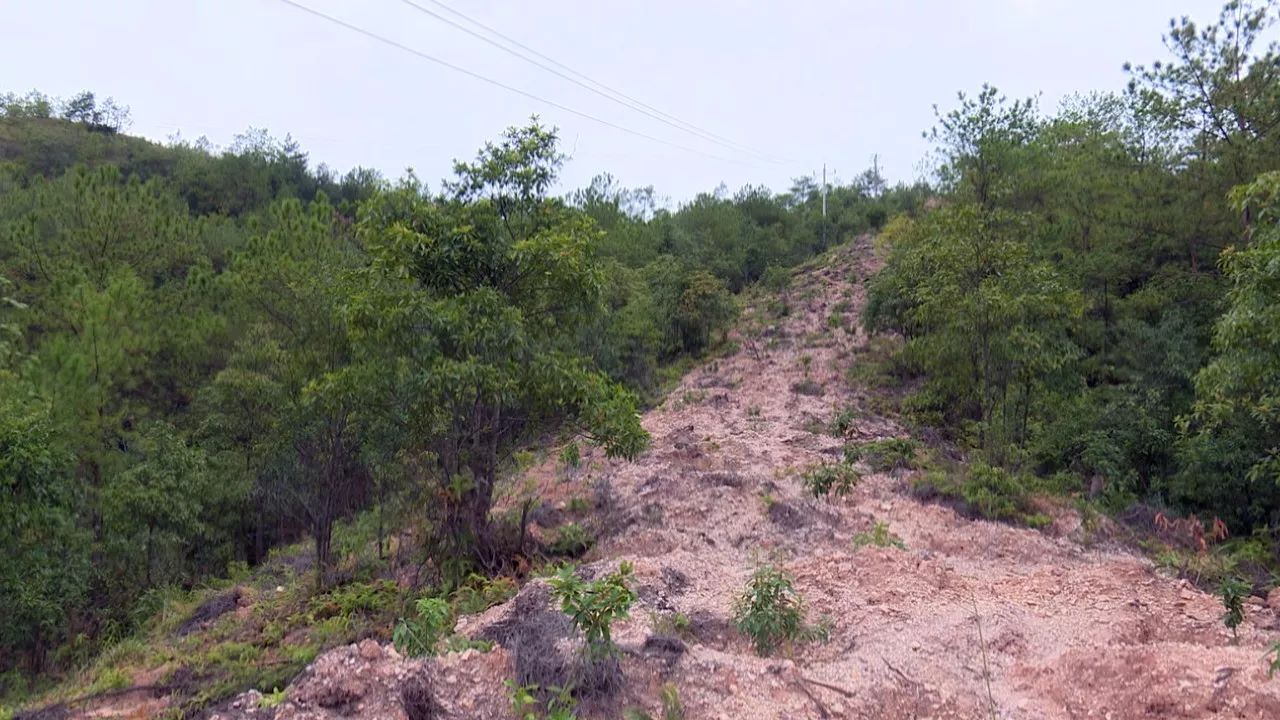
(830, 478)
(593, 606)
(983, 491)
(479, 593)
(884, 455)
(879, 536)
(419, 635)
(771, 612)
(1233, 591)
(571, 540)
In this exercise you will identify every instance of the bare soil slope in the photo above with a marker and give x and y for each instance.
(972, 619)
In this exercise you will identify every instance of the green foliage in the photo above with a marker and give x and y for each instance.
(771, 612)
(1233, 592)
(571, 540)
(479, 593)
(1274, 666)
(879, 536)
(420, 635)
(570, 457)
(594, 606)
(884, 455)
(526, 705)
(822, 481)
(273, 699)
(843, 422)
(984, 491)
(1061, 306)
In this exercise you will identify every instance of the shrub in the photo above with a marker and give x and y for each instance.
(419, 636)
(1274, 667)
(571, 540)
(593, 606)
(272, 699)
(823, 480)
(884, 455)
(843, 422)
(993, 493)
(984, 491)
(771, 612)
(478, 593)
(1233, 591)
(570, 456)
(879, 536)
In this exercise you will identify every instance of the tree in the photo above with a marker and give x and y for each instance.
(1236, 402)
(161, 503)
(988, 323)
(290, 281)
(44, 575)
(983, 144)
(470, 305)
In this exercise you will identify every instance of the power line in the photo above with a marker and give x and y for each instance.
(497, 83)
(594, 86)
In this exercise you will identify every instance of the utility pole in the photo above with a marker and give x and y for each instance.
(824, 192)
(824, 205)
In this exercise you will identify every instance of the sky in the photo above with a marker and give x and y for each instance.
(791, 84)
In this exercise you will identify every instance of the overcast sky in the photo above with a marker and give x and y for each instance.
(801, 81)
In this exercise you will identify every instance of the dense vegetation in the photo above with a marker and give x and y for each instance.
(1094, 300)
(205, 353)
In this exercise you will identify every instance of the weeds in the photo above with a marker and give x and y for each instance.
(1274, 666)
(674, 624)
(559, 704)
(879, 536)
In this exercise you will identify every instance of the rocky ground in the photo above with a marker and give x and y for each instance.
(973, 619)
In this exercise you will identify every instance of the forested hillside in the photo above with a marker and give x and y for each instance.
(252, 409)
(1088, 307)
(208, 353)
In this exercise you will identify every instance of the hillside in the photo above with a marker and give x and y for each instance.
(968, 618)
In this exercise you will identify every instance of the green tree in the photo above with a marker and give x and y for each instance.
(44, 555)
(470, 306)
(1236, 405)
